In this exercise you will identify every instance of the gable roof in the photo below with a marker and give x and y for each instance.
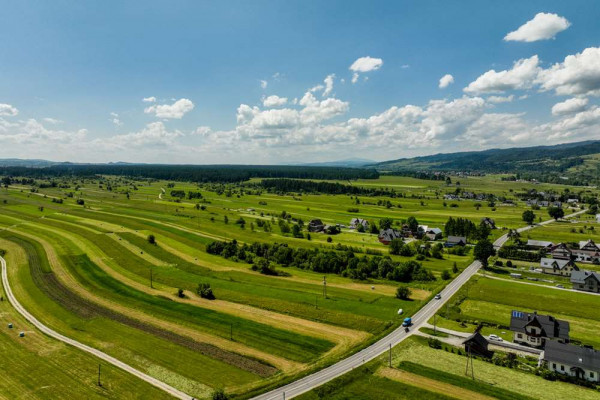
(581, 276)
(588, 243)
(560, 263)
(539, 243)
(456, 239)
(551, 327)
(389, 234)
(436, 231)
(478, 339)
(572, 355)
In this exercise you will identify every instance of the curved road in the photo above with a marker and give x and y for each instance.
(14, 302)
(376, 349)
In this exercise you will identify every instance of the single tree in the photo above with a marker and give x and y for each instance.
(385, 223)
(396, 246)
(556, 212)
(528, 216)
(483, 250)
(403, 293)
(446, 275)
(151, 239)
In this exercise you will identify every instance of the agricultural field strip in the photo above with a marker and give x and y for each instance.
(422, 316)
(70, 282)
(538, 284)
(117, 363)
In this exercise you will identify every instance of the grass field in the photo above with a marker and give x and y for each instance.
(89, 272)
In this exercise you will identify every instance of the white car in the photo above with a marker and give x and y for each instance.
(438, 296)
(495, 338)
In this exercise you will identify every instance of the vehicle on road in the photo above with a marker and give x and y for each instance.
(560, 286)
(438, 296)
(407, 322)
(495, 338)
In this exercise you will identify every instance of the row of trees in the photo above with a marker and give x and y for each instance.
(294, 185)
(467, 228)
(344, 262)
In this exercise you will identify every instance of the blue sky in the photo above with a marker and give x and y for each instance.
(73, 76)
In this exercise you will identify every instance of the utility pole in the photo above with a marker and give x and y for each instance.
(324, 287)
(99, 370)
(390, 355)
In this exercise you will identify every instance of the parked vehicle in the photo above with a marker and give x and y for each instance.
(560, 286)
(495, 338)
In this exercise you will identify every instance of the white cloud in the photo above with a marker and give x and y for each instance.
(115, 119)
(150, 99)
(570, 106)
(500, 99)
(263, 84)
(154, 134)
(578, 74)
(274, 101)
(328, 85)
(446, 81)
(172, 111)
(364, 64)
(521, 76)
(32, 132)
(543, 26)
(52, 121)
(6, 110)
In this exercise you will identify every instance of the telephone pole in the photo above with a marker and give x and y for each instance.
(324, 287)
(390, 355)
(99, 370)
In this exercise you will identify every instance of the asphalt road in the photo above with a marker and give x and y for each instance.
(323, 376)
(109, 359)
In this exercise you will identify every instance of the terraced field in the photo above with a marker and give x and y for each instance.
(81, 262)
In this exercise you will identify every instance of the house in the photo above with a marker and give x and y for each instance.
(355, 222)
(387, 235)
(557, 266)
(433, 233)
(572, 202)
(489, 222)
(455, 241)
(316, 225)
(561, 251)
(588, 252)
(539, 244)
(537, 330)
(587, 281)
(477, 345)
(568, 359)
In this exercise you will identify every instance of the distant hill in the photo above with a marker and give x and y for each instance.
(350, 162)
(576, 163)
(17, 162)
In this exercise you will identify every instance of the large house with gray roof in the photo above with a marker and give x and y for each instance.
(568, 359)
(535, 330)
(587, 281)
(557, 266)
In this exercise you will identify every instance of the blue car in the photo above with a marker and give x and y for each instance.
(407, 322)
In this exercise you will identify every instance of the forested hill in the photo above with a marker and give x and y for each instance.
(193, 173)
(575, 161)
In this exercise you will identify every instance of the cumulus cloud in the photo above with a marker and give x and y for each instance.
(6, 110)
(150, 99)
(32, 131)
(500, 99)
(263, 84)
(569, 106)
(446, 81)
(171, 111)
(274, 101)
(328, 85)
(543, 26)
(52, 121)
(154, 134)
(578, 74)
(115, 119)
(364, 64)
(520, 76)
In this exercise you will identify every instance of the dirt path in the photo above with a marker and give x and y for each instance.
(117, 363)
(430, 384)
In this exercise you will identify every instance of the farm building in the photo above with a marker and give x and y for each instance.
(588, 252)
(540, 244)
(387, 235)
(355, 222)
(316, 225)
(433, 233)
(568, 359)
(477, 345)
(455, 241)
(536, 330)
(561, 251)
(489, 222)
(557, 266)
(587, 281)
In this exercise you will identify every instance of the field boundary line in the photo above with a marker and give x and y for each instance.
(95, 352)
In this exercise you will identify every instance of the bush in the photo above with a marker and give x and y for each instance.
(219, 394)
(434, 343)
(205, 291)
(151, 239)
(180, 293)
(403, 293)
(446, 275)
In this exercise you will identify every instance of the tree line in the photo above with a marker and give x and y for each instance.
(344, 263)
(293, 185)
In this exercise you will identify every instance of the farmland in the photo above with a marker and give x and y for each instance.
(81, 260)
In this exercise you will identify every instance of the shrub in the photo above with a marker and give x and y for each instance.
(219, 394)
(180, 293)
(403, 293)
(205, 291)
(151, 239)
(446, 275)
(434, 343)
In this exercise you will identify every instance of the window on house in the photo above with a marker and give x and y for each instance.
(562, 367)
(591, 374)
(519, 335)
(553, 365)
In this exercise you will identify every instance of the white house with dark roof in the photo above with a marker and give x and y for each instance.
(588, 252)
(568, 359)
(387, 235)
(587, 281)
(533, 329)
(355, 222)
(557, 266)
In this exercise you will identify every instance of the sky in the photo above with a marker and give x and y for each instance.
(276, 82)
